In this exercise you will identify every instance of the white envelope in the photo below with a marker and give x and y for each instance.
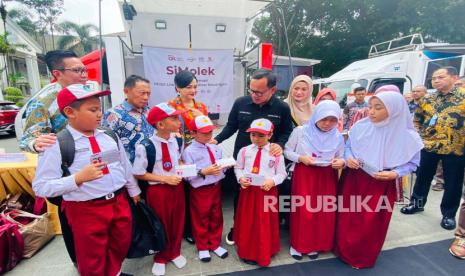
(255, 179)
(110, 156)
(186, 170)
(369, 169)
(321, 162)
(226, 162)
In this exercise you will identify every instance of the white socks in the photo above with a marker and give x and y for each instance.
(294, 252)
(158, 269)
(204, 255)
(180, 261)
(221, 252)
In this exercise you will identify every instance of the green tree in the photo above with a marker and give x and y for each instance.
(78, 37)
(341, 31)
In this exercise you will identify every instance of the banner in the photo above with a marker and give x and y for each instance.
(212, 68)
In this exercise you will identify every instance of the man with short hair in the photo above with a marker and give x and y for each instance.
(440, 121)
(261, 103)
(43, 119)
(351, 109)
(129, 119)
(418, 92)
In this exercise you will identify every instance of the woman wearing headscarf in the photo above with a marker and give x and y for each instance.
(380, 149)
(329, 94)
(299, 99)
(317, 148)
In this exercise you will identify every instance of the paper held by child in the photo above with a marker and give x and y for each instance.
(321, 162)
(186, 170)
(110, 156)
(226, 162)
(368, 168)
(255, 179)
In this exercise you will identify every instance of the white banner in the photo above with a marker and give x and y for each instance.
(212, 68)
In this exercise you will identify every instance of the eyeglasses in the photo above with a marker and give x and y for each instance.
(257, 93)
(77, 70)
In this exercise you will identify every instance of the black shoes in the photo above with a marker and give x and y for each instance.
(229, 237)
(314, 256)
(411, 209)
(448, 223)
(249, 262)
(190, 239)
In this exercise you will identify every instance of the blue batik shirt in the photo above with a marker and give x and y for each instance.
(130, 124)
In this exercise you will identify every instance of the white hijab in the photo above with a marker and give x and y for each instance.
(390, 143)
(321, 143)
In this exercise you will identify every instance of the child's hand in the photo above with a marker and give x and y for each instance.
(386, 175)
(268, 184)
(136, 199)
(245, 182)
(212, 170)
(337, 163)
(353, 163)
(306, 160)
(90, 172)
(275, 150)
(172, 180)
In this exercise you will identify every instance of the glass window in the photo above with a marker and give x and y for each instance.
(344, 87)
(436, 64)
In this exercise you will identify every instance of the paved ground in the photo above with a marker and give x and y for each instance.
(404, 231)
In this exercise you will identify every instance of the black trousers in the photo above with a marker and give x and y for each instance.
(453, 167)
(67, 234)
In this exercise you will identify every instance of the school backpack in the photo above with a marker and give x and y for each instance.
(151, 153)
(68, 150)
(11, 245)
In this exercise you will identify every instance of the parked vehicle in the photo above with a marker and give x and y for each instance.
(404, 62)
(8, 112)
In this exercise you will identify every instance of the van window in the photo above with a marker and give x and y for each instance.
(377, 83)
(344, 87)
(433, 65)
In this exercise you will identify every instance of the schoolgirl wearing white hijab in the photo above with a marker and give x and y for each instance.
(380, 148)
(317, 148)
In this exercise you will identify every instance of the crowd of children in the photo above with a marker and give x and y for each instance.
(380, 148)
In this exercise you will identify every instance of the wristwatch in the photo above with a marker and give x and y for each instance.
(200, 174)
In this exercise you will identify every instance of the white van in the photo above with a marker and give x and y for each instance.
(404, 66)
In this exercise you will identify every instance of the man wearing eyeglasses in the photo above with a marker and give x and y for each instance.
(260, 103)
(43, 119)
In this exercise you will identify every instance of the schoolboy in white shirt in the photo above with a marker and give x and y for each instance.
(205, 191)
(165, 195)
(94, 199)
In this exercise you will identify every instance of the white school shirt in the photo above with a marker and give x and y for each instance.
(140, 162)
(197, 153)
(296, 147)
(268, 169)
(48, 180)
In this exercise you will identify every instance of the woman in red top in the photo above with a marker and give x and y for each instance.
(186, 87)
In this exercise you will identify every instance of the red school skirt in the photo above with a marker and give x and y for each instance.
(256, 230)
(360, 234)
(312, 225)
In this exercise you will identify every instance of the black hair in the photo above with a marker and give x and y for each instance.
(269, 75)
(358, 89)
(184, 78)
(452, 71)
(130, 81)
(54, 59)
